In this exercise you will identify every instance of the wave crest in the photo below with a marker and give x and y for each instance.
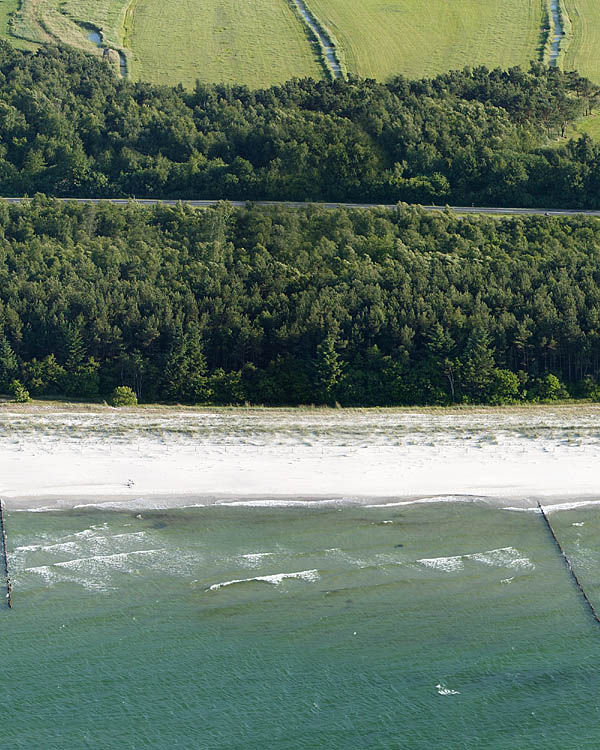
(275, 579)
(503, 557)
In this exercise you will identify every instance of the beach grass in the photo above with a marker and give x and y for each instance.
(415, 38)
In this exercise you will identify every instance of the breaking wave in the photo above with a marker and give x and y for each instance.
(288, 503)
(276, 579)
(433, 499)
(503, 557)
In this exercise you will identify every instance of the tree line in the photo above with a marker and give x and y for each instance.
(283, 306)
(70, 127)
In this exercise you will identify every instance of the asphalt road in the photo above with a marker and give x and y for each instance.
(293, 204)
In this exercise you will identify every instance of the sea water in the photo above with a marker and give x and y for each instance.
(438, 625)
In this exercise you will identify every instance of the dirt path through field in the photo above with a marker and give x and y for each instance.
(558, 32)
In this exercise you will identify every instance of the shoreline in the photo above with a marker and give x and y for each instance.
(163, 503)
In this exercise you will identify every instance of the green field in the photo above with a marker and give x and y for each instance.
(261, 42)
(423, 37)
(256, 42)
(583, 51)
(8, 9)
(589, 125)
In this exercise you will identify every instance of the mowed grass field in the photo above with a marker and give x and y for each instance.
(418, 38)
(254, 42)
(583, 51)
(261, 42)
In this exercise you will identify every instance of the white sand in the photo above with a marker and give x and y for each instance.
(53, 457)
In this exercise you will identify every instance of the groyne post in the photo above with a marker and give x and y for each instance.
(5, 556)
(568, 563)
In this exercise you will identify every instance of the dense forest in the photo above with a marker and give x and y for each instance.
(283, 306)
(70, 127)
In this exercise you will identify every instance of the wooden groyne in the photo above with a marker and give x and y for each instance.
(568, 564)
(5, 556)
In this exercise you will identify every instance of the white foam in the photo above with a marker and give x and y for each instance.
(35, 509)
(111, 560)
(503, 557)
(518, 509)
(50, 576)
(91, 531)
(434, 499)
(447, 564)
(581, 523)
(275, 579)
(570, 506)
(255, 557)
(138, 503)
(506, 557)
(46, 573)
(443, 690)
(272, 503)
(60, 547)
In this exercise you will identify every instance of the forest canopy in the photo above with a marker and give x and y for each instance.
(284, 306)
(69, 127)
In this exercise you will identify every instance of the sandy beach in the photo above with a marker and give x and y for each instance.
(58, 456)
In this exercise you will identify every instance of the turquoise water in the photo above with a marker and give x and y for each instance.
(451, 625)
